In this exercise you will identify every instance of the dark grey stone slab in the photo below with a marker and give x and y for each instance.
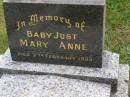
(1, 74)
(108, 74)
(1, 71)
(50, 86)
(88, 2)
(68, 34)
(123, 81)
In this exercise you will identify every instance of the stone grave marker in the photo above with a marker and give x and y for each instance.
(56, 31)
(63, 38)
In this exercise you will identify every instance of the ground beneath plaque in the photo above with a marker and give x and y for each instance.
(63, 81)
(15, 85)
(107, 74)
(50, 86)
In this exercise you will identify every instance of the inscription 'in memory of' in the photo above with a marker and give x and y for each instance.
(35, 18)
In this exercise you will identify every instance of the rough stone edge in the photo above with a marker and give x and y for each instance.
(78, 2)
(123, 82)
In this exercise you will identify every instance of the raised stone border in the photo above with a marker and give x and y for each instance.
(32, 85)
(108, 74)
(123, 81)
(50, 86)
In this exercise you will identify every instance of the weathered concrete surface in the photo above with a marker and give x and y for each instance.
(123, 81)
(50, 86)
(108, 74)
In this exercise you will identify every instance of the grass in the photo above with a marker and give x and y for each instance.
(3, 36)
(117, 37)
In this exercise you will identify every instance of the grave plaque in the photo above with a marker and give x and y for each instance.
(67, 32)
